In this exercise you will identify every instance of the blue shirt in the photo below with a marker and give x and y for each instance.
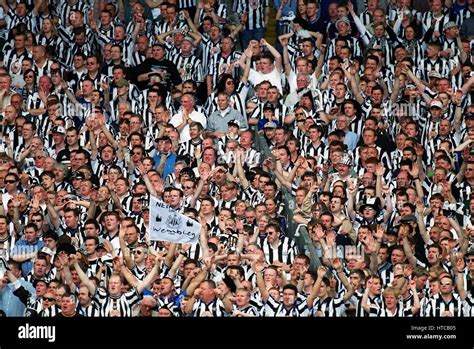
(11, 304)
(351, 139)
(169, 164)
(27, 265)
(288, 7)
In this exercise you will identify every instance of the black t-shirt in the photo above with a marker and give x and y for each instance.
(151, 64)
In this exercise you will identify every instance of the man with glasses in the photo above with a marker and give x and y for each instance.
(446, 303)
(37, 168)
(135, 253)
(93, 72)
(11, 182)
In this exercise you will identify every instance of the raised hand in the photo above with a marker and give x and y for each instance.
(331, 239)
(408, 270)
(420, 207)
(197, 293)
(380, 170)
(336, 264)
(414, 172)
(141, 168)
(378, 235)
(322, 272)
(284, 41)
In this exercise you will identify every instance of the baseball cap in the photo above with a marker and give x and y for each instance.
(436, 104)
(346, 159)
(371, 202)
(449, 25)
(46, 250)
(59, 129)
(434, 74)
(408, 218)
(268, 106)
(270, 124)
(469, 116)
(77, 175)
(188, 38)
(343, 19)
(123, 83)
(233, 123)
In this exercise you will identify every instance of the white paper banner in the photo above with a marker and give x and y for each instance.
(167, 224)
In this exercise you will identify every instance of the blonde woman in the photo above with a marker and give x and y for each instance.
(47, 36)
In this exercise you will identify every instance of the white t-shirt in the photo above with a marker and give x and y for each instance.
(274, 77)
(177, 120)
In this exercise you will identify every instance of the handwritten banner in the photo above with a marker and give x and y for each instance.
(167, 224)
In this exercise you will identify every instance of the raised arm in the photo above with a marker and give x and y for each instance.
(286, 57)
(337, 265)
(127, 256)
(316, 286)
(247, 65)
(458, 264)
(416, 300)
(84, 279)
(408, 252)
(239, 158)
(53, 215)
(146, 179)
(260, 282)
(150, 277)
(203, 238)
(274, 53)
(365, 36)
(93, 143)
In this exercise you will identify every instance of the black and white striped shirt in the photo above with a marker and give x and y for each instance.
(190, 67)
(255, 10)
(220, 64)
(285, 252)
(437, 305)
(329, 307)
(116, 306)
(215, 308)
(274, 308)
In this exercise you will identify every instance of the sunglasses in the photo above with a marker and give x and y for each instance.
(446, 283)
(470, 260)
(36, 220)
(10, 181)
(137, 252)
(230, 83)
(49, 299)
